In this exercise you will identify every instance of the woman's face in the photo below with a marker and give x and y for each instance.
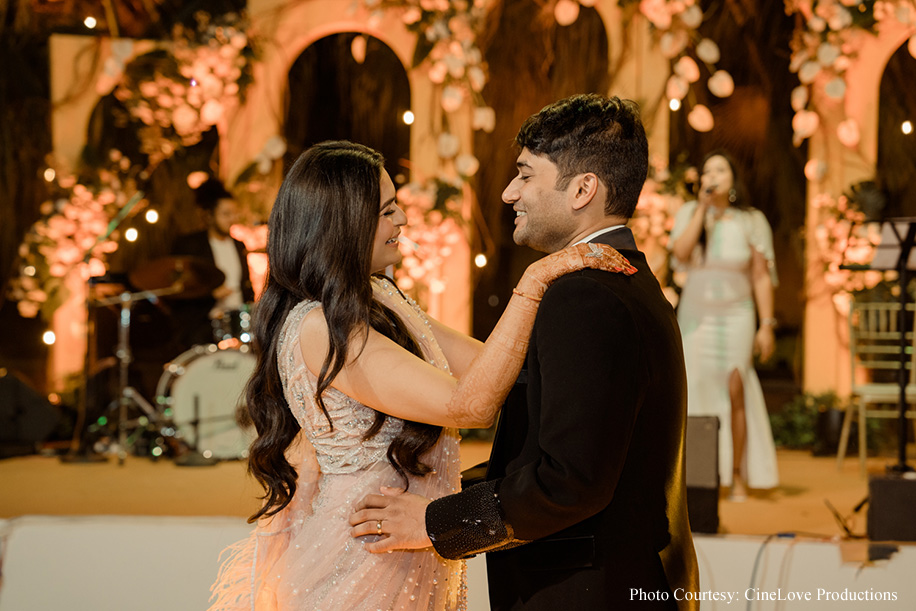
(717, 174)
(385, 248)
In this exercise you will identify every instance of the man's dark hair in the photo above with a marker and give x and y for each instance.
(207, 195)
(593, 133)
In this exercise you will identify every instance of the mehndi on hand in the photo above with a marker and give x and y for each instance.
(543, 272)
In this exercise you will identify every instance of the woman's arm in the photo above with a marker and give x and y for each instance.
(459, 349)
(764, 340)
(384, 376)
(683, 246)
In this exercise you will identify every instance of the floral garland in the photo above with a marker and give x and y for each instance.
(447, 33)
(824, 49)
(842, 236)
(178, 93)
(662, 195)
(664, 192)
(435, 225)
(675, 24)
(74, 235)
(173, 95)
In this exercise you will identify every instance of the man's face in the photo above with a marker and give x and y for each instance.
(543, 215)
(224, 216)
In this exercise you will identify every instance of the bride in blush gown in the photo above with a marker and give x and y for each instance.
(356, 388)
(726, 248)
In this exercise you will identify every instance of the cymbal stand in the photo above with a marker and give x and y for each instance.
(79, 452)
(128, 395)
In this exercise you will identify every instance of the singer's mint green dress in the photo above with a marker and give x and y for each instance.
(718, 322)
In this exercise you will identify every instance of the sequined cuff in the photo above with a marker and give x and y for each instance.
(468, 523)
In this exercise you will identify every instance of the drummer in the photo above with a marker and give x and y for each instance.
(194, 317)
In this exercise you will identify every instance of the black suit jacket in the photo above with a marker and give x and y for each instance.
(584, 506)
(192, 315)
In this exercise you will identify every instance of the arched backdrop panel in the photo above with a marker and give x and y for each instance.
(332, 96)
(896, 167)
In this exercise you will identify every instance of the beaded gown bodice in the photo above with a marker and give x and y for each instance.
(338, 438)
(304, 559)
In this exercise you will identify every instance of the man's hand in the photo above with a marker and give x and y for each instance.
(402, 517)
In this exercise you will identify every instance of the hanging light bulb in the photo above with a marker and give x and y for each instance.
(408, 117)
(480, 260)
(907, 127)
(49, 174)
(90, 22)
(131, 235)
(152, 216)
(49, 338)
(674, 104)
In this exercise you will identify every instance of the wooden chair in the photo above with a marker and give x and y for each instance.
(874, 346)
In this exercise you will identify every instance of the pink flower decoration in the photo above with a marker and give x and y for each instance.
(672, 43)
(484, 118)
(700, 118)
(708, 51)
(688, 69)
(28, 309)
(847, 132)
(566, 12)
(720, 84)
(799, 98)
(452, 98)
(805, 123)
(211, 112)
(676, 88)
(815, 170)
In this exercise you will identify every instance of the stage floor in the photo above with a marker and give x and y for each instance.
(42, 485)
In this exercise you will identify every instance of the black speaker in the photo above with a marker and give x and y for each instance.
(702, 473)
(26, 417)
(892, 500)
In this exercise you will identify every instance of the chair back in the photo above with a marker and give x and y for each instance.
(874, 341)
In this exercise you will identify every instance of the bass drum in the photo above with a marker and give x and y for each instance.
(205, 387)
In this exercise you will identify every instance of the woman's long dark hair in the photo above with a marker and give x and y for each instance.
(322, 228)
(741, 199)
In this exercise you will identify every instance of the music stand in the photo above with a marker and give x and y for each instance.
(895, 252)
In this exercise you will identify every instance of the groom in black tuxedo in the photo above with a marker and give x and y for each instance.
(584, 502)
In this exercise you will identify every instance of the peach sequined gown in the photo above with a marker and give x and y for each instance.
(304, 559)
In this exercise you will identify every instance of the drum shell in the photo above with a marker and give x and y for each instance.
(202, 392)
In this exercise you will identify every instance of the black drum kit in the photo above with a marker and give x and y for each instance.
(197, 416)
